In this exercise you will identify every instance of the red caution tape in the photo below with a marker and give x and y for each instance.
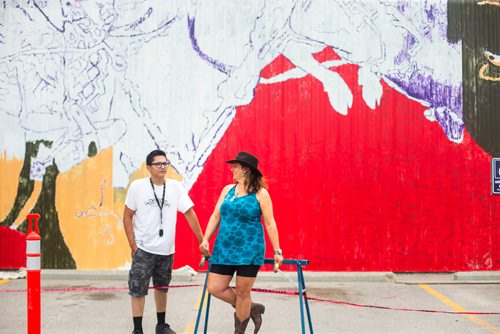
(400, 308)
(270, 291)
(293, 292)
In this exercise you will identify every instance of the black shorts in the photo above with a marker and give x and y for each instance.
(249, 270)
(146, 265)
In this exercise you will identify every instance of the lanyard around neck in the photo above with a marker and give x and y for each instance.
(158, 201)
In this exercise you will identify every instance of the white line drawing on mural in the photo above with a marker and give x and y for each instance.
(94, 210)
(80, 58)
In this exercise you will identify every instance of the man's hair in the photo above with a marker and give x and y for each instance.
(152, 155)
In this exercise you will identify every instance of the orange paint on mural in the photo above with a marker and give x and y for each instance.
(29, 204)
(9, 181)
(90, 213)
(89, 217)
(9, 177)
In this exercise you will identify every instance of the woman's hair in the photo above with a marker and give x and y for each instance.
(255, 181)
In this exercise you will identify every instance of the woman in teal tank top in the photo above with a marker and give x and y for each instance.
(240, 240)
(239, 247)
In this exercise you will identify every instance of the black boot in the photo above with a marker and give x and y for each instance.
(256, 313)
(240, 326)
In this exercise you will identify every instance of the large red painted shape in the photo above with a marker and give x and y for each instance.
(376, 190)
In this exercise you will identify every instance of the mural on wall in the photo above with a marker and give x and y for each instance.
(87, 88)
(475, 24)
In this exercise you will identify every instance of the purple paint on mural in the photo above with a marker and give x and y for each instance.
(404, 55)
(194, 42)
(445, 99)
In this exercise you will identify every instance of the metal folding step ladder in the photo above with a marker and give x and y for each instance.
(303, 303)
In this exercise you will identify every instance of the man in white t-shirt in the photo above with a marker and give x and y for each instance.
(149, 219)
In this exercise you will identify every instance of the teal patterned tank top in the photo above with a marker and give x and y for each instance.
(240, 240)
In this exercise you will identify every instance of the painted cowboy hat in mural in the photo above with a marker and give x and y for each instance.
(247, 159)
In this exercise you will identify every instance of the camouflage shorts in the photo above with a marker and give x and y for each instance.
(146, 265)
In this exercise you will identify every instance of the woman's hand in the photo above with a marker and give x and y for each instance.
(205, 248)
(278, 259)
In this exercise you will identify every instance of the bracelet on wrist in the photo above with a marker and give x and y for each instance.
(278, 252)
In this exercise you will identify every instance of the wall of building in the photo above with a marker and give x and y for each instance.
(374, 122)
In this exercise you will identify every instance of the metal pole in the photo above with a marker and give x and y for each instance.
(300, 278)
(304, 292)
(207, 312)
(200, 309)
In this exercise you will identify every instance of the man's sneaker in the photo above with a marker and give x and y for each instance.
(164, 329)
(137, 331)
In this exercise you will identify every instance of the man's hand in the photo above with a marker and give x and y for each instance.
(134, 250)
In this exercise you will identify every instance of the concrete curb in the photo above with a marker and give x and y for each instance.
(188, 274)
(477, 276)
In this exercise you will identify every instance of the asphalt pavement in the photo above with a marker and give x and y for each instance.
(377, 302)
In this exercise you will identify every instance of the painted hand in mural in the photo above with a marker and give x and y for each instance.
(391, 45)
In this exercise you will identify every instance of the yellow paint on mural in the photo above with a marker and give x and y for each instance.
(90, 213)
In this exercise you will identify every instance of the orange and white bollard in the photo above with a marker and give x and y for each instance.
(33, 272)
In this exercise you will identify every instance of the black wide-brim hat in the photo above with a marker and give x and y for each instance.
(247, 159)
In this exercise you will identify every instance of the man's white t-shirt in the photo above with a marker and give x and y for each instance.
(146, 222)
